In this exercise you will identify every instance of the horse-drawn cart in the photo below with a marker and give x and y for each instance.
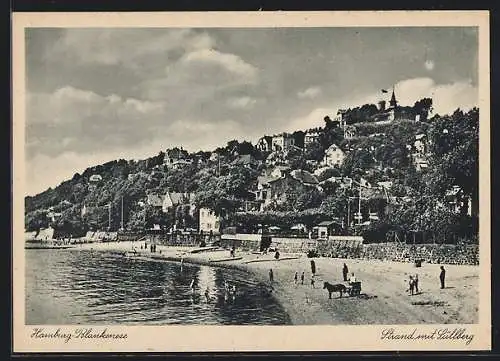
(354, 288)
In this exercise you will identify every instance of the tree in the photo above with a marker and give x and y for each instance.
(423, 107)
(298, 137)
(315, 152)
(245, 148)
(36, 220)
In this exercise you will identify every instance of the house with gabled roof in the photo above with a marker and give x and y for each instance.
(265, 144)
(304, 177)
(172, 199)
(334, 156)
(282, 142)
(155, 200)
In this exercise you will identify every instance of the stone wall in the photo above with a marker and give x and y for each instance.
(400, 252)
(293, 245)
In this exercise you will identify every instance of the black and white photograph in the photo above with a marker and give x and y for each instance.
(253, 176)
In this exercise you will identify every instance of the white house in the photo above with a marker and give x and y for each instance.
(174, 155)
(282, 141)
(279, 171)
(209, 222)
(420, 143)
(265, 144)
(155, 200)
(340, 117)
(95, 178)
(310, 138)
(334, 156)
(172, 199)
(349, 132)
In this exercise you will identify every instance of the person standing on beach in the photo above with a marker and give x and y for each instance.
(442, 276)
(296, 278)
(352, 279)
(312, 281)
(345, 272)
(411, 285)
(415, 281)
(302, 278)
(313, 267)
(271, 275)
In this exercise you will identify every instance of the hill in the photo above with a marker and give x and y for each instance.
(223, 180)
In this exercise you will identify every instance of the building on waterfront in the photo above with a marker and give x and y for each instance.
(209, 221)
(327, 228)
(173, 199)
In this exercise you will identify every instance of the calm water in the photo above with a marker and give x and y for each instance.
(85, 287)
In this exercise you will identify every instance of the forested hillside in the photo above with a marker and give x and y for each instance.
(377, 153)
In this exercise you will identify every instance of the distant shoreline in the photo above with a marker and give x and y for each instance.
(383, 299)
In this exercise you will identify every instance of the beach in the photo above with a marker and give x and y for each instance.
(384, 298)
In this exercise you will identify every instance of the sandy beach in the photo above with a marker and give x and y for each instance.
(384, 298)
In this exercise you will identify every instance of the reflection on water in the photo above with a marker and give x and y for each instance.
(85, 287)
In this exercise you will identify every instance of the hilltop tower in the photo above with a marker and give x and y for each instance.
(393, 103)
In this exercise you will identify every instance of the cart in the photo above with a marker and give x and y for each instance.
(354, 288)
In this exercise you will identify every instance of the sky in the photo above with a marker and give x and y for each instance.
(95, 95)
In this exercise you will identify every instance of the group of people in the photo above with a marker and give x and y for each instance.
(345, 273)
(413, 282)
(229, 290)
(302, 278)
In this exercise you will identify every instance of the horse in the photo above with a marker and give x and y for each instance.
(335, 288)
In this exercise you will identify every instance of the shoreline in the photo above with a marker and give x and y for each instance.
(383, 298)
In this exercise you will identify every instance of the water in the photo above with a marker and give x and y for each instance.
(85, 287)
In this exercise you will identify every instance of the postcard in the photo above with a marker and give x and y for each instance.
(251, 181)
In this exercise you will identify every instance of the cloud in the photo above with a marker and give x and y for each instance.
(83, 121)
(230, 62)
(64, 165)
(315, 118)
(309, 93)
(429, 65)
(446, 98)
(132, 48)
(71, 129)
(244, 102)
